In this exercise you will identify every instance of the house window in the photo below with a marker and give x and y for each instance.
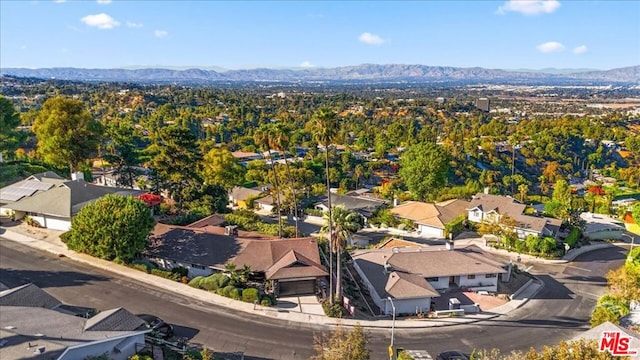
(433, 279)
(490, 276)
(196, 266)
(470, 277)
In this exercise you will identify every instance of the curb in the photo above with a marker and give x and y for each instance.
(225, 302)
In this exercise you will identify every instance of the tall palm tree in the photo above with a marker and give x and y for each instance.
(325, 131)
(280, 141)
(345, 224)
(262, 137)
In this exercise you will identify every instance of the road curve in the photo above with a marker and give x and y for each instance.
(560, 310)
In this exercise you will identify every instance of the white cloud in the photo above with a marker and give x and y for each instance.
(132, 24)
(550, 47)
(371, 39)
(101, 21)
(59, 1)
(160, 33)
(529, 7)
(104, 2)
(579, 50)
(306, 64)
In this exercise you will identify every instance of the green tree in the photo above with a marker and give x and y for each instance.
(221, 168)
(345, 224)
(262, 138)
(175, 162)
(341, 345)
(9, 121)
(325, 132)
(67, 133)
(113, 227)
(122, 152)
(280, 141)
(424, 169)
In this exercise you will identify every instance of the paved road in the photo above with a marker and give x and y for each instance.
(561, 309)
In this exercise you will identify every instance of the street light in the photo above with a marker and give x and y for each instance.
(393, 328)
(633, 238)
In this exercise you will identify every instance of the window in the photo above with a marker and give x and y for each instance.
(490, 276)
(196, 266)
(470, 277)
(433, 279)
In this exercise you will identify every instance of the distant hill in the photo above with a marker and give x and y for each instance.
(358, 73)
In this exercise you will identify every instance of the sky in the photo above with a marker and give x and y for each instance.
(526, 34)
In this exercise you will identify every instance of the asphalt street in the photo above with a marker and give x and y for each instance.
(559, 311)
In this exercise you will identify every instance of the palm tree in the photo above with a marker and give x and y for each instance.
(280, 141)
(325, 131)
(345, 224)
(262, 138)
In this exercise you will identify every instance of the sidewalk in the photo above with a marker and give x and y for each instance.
(55, 246)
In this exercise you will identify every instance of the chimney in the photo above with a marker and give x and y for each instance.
(77, 176)
(449, 245)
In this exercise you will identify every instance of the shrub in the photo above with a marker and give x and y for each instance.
(266, 301)
(221, 280)
(235, 293)
(334, 310)
(196, 282)
(226, 291)
(141, 267)
(164, 273)
(208, 284)
(31, 222)
(180, 270)
(573, 237)
(250, 295)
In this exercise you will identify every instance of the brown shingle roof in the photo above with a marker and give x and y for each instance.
(294, 265)
(435, 215)
(405, 286)
(442, 263)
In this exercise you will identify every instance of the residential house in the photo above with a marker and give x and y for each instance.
(51, 200)
(266, 204)
(411, 277)
(34, 325)
(487, 208)
(364, 206)
(245, 157)
(431, 219)
(239, 196)
(292, 264)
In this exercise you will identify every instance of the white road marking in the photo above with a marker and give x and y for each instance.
(579, 268)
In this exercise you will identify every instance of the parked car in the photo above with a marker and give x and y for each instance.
(160, 328)
(452, 355)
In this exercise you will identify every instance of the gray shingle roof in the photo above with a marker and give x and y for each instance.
(118, 319)
(28, 295)
(67, 198)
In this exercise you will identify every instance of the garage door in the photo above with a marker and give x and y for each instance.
(297, 287)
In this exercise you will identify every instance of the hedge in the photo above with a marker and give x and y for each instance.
(250, 295)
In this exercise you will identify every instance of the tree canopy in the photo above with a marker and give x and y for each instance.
(221, 168)
(67, 133)
(424, 168)
(114, 227)
(342, 344)
(9, 121)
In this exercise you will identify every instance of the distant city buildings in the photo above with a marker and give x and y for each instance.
(483, 104)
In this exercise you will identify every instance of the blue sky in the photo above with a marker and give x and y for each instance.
(491, 34)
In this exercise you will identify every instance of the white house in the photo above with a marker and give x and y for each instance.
(431, 219)
(51, 200)
(35, 325)
(487, 208)
(413, 276)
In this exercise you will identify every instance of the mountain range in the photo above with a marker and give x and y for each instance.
(358, 73)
